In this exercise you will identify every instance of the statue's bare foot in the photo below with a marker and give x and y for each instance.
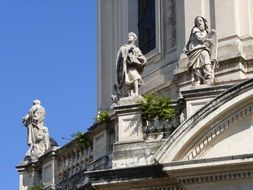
(196, 82)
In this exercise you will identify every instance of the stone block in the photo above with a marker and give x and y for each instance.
(47, 173)
(129, 126)
(135, 153)
(197, 97)
(99, 145)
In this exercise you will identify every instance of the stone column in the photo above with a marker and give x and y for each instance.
(112, 20)
(54, 169)
(234, 27)
(24, 180)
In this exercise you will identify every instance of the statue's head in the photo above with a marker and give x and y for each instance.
(132, 37)
(201, 23)
(35, 102)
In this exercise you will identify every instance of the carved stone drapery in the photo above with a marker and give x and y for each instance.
(201, 49)
(130, 65)
(38, 137)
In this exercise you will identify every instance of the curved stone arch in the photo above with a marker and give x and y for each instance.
(192, 132)
(217, 130)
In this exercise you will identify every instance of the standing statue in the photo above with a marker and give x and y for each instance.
(201, 50)
(130, 65)
(38, 137)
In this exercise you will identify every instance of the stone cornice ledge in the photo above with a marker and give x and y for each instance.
(211, 170)
(219, 162)
(112, 176)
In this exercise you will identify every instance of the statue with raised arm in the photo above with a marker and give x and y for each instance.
(201, 50)
(37, 134)
(130, 65)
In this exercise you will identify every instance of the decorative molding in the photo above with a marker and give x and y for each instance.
(125, 175)
(74, 182)
(216, 177)
(218, 129)
(171, 187)
(71, 163)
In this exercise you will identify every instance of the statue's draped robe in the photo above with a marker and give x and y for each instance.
(36, 116)
(37, 137)
(202, 54)
(130, 64)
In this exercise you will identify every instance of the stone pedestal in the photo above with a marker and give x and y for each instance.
(198, 96)
(129, 126)
(28, 176)
(42, 171)
(130, 148)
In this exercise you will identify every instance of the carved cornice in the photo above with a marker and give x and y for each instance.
(218, 129)
(216, 177)
(139, 173)
(171, 187)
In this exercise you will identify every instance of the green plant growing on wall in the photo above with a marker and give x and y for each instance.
(154, 105)
(82, 140)
(37, 187)
(103, 117)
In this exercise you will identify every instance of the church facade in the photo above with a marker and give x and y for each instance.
(208, 143)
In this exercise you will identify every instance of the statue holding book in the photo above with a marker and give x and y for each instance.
(130, 64)
(201, 50)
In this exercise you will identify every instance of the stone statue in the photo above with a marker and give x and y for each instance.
(38, 137)
(201, 50)
(130, 65)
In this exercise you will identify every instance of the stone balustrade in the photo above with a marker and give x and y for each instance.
(101, 163)
(73, 162)
(159, 129)
(74, 182)
(64, 168)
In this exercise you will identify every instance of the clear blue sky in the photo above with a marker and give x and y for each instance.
(47, 52)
